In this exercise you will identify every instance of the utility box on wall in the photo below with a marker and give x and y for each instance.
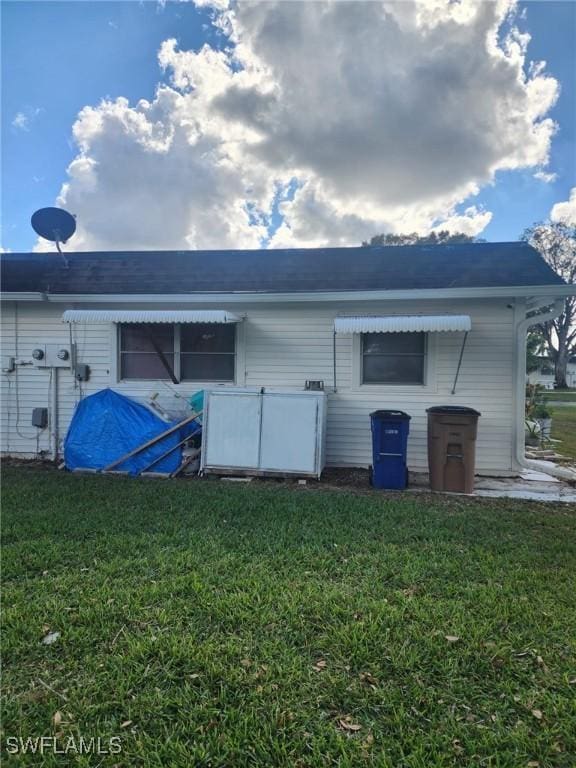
(82, 372)
(52, 356)
(264, 432)
(40, 418)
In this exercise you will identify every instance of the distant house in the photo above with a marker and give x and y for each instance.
(544, 373)
(404, 328)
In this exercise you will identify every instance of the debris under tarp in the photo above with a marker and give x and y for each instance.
(108, 425)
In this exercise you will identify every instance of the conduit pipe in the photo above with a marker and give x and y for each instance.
(562, 473)
(54, 436)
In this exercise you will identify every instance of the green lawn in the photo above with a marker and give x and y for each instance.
(218, 624)
(561, 395)
(564, 428)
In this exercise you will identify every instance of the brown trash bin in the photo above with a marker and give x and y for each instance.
(452, 447)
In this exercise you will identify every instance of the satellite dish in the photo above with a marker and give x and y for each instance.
(54, 224)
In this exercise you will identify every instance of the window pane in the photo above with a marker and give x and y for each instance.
(382, 343)
(143, 365)
(391, 369)
(136, 337)
(207, 337)
(207, 367)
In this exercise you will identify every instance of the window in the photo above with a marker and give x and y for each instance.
(207, 352)
(140, 345)
(188, 352)
(393, 358)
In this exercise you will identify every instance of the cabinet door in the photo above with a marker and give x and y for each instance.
(233, 430)
(289, 433)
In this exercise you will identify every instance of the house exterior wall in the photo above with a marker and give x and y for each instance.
(282, 345)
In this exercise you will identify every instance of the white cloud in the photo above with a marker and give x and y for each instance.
(23, 120)
(471, 222)
(388, 115)
(148, 177)
(566, 211)
(313, 220)
(545, 176)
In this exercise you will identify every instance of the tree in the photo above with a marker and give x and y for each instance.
(535, 345)
(444, 237)
(556, 243)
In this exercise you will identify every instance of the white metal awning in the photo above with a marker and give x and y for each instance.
(149, 316)
(402, 323)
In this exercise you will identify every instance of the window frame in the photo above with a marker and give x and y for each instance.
(238, 356)
(118, 356)
(179, 354)
(429, 368)
(423, 355)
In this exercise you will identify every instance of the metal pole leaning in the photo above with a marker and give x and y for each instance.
(150, 443)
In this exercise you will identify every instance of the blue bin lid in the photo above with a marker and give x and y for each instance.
(388, 415)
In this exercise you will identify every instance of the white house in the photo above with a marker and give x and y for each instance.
(396, 327)
(544, 374)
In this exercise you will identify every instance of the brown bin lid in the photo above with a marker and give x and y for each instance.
(453, 410)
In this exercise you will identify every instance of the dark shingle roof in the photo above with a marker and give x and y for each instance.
(279, 271)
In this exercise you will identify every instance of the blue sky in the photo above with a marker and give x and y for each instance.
(58, 57)
(517, 197)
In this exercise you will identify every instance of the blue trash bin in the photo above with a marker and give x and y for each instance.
(389, 443)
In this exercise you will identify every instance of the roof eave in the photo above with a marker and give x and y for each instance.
(22, 296)
(554, 291)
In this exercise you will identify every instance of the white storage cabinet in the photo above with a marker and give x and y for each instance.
(264, 432)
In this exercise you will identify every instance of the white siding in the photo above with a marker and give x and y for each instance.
(283, 345)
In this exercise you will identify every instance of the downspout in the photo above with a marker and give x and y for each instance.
(555, 311)
(334, 359)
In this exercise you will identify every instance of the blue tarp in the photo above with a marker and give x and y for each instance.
(107, 425)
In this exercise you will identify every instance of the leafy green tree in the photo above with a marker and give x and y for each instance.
(443, 237)
(556, 242)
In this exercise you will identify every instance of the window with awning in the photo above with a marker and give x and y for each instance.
(177, 352)
(394, 347)
(172, 345)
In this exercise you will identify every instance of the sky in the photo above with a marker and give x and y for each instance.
(209, 124)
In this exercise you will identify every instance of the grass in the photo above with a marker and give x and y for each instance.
(215, 624)
(564, 428)
(561, 396)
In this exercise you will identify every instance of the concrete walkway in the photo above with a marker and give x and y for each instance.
(535, 486)
(529, 485)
